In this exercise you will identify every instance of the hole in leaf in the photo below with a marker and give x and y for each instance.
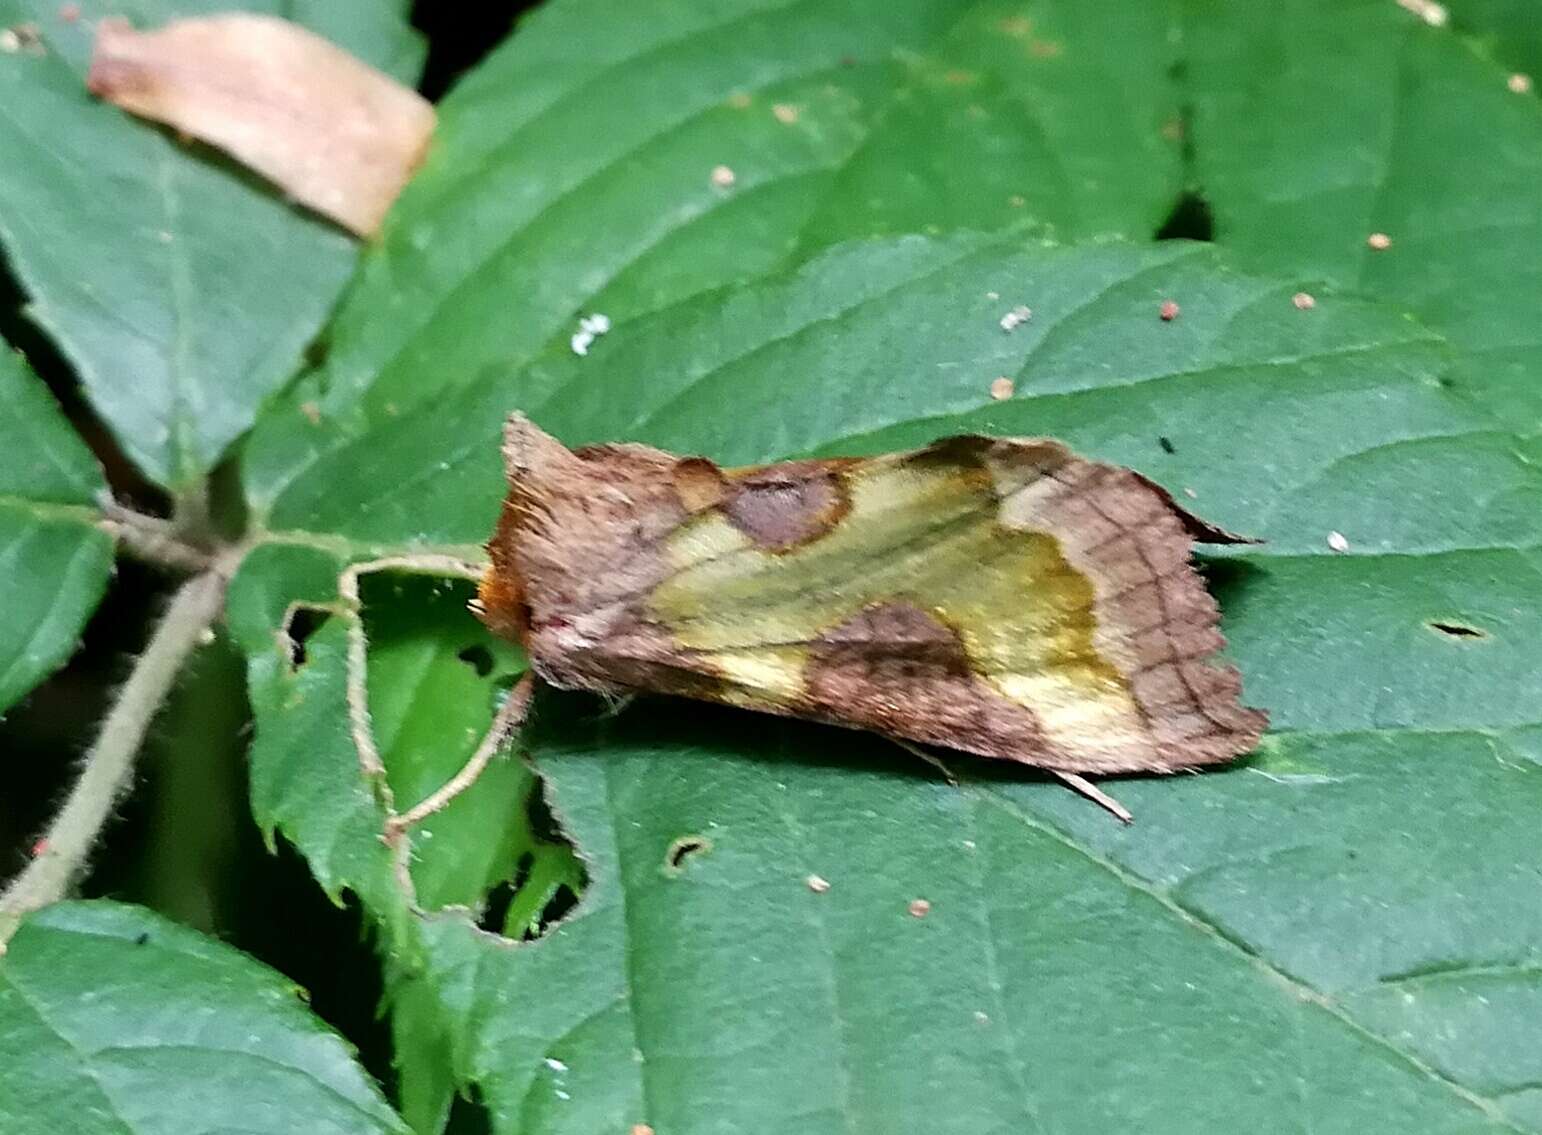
(495, 908)
(682, 849)
(546, 883)
(479, 658)
(469, 1115)
(1190, 219)
(1456, 630)
(299, 624)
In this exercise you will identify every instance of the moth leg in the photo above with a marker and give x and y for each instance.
(1095, 794)
(930, 758)
(509, 717)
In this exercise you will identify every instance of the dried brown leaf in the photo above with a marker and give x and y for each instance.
(332, 132)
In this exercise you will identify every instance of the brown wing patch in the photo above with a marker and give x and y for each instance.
(900, 670)
(699, 484)
(1154, 618)
(781, 507)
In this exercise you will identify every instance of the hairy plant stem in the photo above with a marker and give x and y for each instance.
(109, 764)
(153, 540)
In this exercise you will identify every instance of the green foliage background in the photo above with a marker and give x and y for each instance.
(1339, 933)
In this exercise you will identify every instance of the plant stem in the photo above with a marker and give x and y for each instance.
(109, 764)
(151, 539)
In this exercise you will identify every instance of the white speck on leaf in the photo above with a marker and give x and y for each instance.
(590, 328)
(1338, 542)
(1015, 318)
(555, 1065)
(1427, 10)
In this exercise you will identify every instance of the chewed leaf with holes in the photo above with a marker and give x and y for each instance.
(114, 1021)
(1304, 934)
(181, 291)
(53, 559)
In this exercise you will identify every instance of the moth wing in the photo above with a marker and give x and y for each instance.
(1003, 597)
(999, 596)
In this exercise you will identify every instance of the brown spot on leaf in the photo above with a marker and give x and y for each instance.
(784, 506)
(919, 908)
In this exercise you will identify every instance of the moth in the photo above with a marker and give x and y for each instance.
(998, 596)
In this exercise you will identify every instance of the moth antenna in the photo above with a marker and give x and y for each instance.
(1095, 794)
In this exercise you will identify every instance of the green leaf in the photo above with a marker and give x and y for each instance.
(118, 1022)
(181, 290)
(1290, 936)
(573, 172)
(1356, 135)
(1507, 30)
(53, 558)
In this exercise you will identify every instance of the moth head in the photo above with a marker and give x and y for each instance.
(500, 604)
